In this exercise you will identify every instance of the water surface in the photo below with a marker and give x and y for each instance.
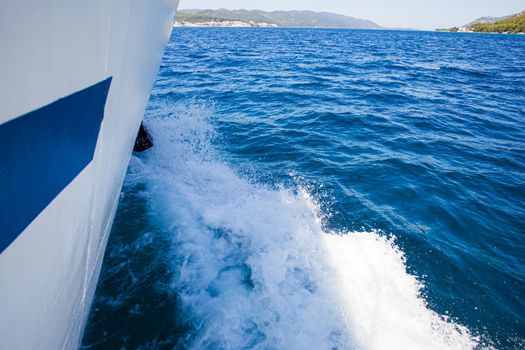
(319, 189)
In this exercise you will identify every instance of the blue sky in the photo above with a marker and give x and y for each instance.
(421, 14)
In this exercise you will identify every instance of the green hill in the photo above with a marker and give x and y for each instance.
(512, 24)
(304, 19)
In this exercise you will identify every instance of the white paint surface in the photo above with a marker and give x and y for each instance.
(51, 49)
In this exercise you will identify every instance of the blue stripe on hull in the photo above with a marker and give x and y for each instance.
(42, 151)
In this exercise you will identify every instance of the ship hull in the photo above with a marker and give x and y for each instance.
(76, 77)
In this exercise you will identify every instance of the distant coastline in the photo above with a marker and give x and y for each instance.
(258, 18)
(225, 23)
(513, 24)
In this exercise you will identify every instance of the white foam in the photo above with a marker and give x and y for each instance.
(254, 268)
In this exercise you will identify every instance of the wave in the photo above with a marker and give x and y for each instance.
(254, 266)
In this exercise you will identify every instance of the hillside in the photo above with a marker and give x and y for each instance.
(512, 24)
(509, 24)
(302, 19)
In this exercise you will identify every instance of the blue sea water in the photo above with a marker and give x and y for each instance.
(324, 189)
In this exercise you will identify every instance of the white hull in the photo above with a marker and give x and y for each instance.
(50, 50)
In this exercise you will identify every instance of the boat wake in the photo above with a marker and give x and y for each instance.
(254, 267)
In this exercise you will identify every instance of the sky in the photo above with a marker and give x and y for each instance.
(418, 14)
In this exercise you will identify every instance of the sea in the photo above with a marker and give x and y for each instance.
(323, 189)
